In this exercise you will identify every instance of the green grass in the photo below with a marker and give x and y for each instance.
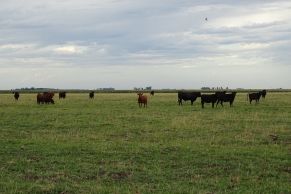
(109, 145)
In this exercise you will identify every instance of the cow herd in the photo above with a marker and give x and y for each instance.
(218, 97)
(47, 97)
(215, 98)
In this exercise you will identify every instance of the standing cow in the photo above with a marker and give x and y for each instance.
(208, 98)
(91, 95)
(254, 96)
(142, 100)
(264, 93)
(152, 93)
(192, 96)
(45, 98)
(225, 98)
(62, 95)
(16, 95)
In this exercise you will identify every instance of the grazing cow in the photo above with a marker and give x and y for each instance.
(91, 95)
(264, 93)
(45, 98)
(225, 98)
(152, 93)
(62, 95)
(208, 98)
(254, 96)
(16, 95)
(192, 96)
(142, 99)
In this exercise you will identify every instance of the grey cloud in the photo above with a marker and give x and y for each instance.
(163, 34)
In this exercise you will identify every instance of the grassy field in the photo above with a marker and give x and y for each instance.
(109, 145)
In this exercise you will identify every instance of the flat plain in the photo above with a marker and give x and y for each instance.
(110, 145)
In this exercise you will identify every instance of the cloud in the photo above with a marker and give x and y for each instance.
(70, 49)
(166, 34)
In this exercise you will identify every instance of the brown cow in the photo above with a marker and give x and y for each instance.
(46, 97)
(142, 99)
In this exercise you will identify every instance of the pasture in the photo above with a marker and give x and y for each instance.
(110, 145)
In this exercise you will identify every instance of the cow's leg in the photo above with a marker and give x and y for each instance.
(213, 104)
(192, 102)
(180, 101)
(202, 104)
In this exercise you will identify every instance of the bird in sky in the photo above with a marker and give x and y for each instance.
(206, 19)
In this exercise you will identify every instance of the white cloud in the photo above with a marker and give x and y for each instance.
(70, 49)
(252, 15)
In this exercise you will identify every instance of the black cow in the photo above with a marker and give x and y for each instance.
(208, 98)
(62, 95)
(91, 95)
(16, 95)
(254, 96)
(152, 93)
(225, 98)
(192, 96)
(264, 93)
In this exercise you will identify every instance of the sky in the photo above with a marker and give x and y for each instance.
(76, 44)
